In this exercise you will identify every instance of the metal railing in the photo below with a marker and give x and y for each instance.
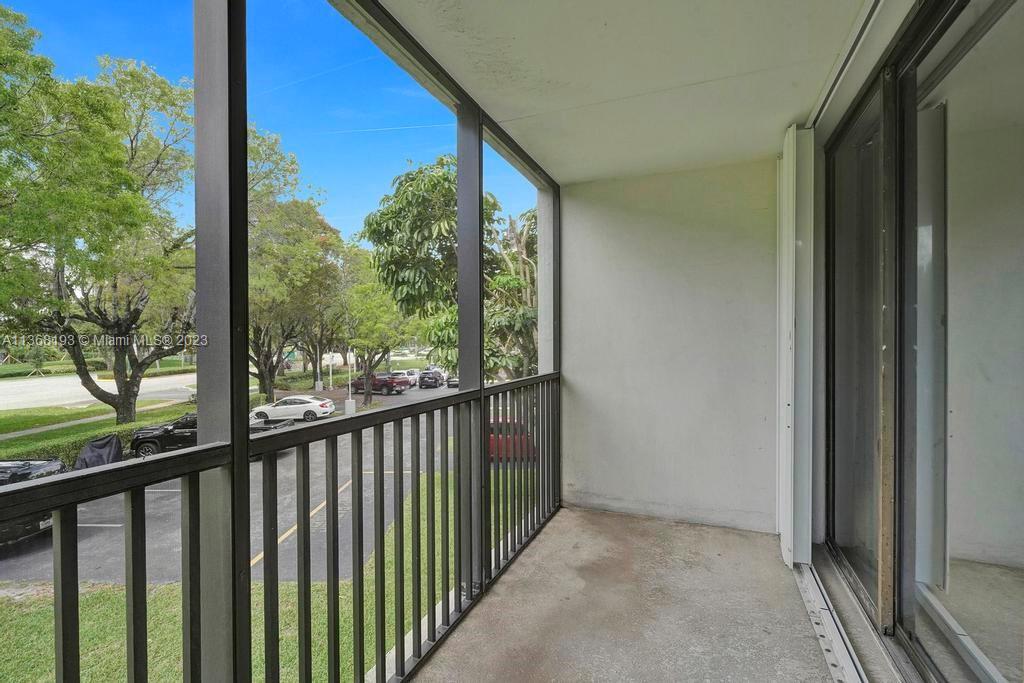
(483, 476)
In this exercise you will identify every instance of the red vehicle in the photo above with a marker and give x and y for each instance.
(510, 440)
(383, 383)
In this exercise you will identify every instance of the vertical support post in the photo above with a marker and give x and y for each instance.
(548, 299)
(471, 342)
(222, 317)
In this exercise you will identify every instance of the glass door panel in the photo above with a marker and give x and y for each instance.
(857, 298)
(966, 608)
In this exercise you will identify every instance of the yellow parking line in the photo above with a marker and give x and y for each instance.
(258, 557)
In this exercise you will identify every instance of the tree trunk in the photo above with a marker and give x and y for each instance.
(265, 375)
(367, 383)
(126, 411)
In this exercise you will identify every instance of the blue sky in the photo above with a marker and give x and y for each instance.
(353, 118)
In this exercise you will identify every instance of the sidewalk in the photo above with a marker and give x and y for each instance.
(81, 421)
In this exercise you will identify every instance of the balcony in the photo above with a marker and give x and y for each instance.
(769, 428)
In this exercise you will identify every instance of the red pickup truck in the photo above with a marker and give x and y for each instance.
(383, 383)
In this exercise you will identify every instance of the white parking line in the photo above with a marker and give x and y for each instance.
(101, 526)
(163, 490)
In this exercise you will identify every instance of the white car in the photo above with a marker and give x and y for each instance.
(307, 408)
(414, 376)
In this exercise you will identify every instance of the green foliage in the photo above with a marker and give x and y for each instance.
(65, 443)
(256, 400)
(414, 251)
(414, 236)
(87, 234)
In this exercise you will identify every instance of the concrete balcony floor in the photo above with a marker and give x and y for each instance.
(606, 596)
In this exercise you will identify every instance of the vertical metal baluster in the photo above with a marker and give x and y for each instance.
(135, 582)
(558, 443)
(457, 511)
(542, 406)
(493, 463)
(417, 574)
(333, 625)
(398, 499)
(445, 551)
(431, 530)
(305, 624)
(549, 408)
(503, 438)
(513, 483)
(538, 440)
(378, 550)
(527, 460)
(487, 499)
(65, 593)
(519, 430)
(271, 621)
(191, 641)
(535, 455)
(358, 658)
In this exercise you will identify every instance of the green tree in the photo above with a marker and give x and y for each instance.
(291, 248)
(372, 323)
(90, 244)
(413, 234)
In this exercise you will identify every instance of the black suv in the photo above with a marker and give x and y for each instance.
(430, 379)
(13, 471)
(182, 433)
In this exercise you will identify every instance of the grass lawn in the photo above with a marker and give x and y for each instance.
(27, 418)
(65, 442)
(26, 617)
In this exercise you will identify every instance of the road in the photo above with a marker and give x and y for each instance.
(101, 522)
(67, 390)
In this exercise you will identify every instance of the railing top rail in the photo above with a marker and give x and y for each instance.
(72, 488)
(290, 437)
(492, 389)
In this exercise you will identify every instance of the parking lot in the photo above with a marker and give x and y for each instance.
(101, 522)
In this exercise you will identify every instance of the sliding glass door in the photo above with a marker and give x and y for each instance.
(925, 341)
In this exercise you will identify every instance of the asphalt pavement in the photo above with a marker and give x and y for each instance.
(101, 522)
(67, 390)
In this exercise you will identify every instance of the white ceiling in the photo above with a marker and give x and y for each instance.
(605, 88)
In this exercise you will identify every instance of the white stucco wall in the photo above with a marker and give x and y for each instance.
(668, 346)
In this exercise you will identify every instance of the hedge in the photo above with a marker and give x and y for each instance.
(49, 368)
(52, 445)
(154, 372)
